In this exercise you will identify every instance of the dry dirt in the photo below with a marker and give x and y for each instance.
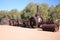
(19, 33)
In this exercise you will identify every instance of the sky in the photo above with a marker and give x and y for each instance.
(21, 4)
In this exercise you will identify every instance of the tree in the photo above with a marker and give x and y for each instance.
(44, 10)
(14, 14)
(3, 13)
(52, 10)
(58, 10)
(30, 10)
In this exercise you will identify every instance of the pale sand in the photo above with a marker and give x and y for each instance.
(19, 33)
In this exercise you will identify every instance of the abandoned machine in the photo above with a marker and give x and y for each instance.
(36, 21)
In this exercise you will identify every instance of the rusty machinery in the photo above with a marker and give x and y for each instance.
(36, 22)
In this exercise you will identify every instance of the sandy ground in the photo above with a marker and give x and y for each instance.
(19, 33)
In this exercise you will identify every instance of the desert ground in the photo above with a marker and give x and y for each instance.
(18, 33)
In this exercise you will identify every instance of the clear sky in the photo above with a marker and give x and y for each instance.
(21, 4)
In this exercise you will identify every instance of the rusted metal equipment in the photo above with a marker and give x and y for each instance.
(50, 25)
(12, 22)
(46, 25)
(15, 22)
(36, 22)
